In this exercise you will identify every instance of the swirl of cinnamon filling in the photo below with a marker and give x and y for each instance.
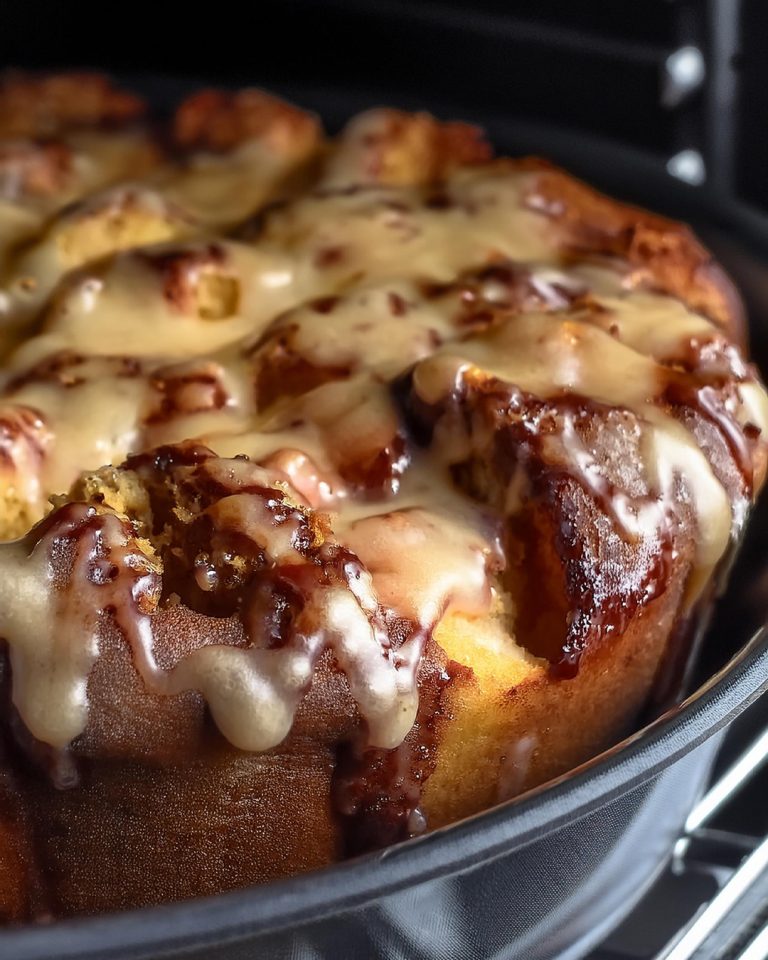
(421, 383)
(180, 527)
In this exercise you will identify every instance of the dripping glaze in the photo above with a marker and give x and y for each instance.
(367, 357)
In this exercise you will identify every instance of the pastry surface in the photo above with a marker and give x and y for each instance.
(347, 486)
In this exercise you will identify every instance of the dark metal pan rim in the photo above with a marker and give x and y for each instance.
(231, 916)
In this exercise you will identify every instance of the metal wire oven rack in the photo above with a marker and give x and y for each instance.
(711, 903)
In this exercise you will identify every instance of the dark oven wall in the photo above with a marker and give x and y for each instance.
(592, 66)
(660, 77)
(630, 93)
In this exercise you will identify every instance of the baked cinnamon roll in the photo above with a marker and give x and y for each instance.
(348, 487)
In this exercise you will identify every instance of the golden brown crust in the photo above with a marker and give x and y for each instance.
(46, 105)
(199, 282)
(33, 169)
(663, 253)
(19, 884)
(131, 835)
(24, 439)
(504, 738)
(393, 147)
(221, 120)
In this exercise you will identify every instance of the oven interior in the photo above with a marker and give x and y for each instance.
(664, 102)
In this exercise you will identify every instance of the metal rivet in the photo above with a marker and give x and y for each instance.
(684, 72)
(688, 165)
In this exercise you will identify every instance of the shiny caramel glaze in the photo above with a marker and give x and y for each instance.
(347, 487)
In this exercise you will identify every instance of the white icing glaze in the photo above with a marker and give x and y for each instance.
(224, 338)
(424, 564)
(53, 630)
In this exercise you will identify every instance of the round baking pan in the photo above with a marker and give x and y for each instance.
(548, 874)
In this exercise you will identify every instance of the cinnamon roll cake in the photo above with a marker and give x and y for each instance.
(347, 486)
